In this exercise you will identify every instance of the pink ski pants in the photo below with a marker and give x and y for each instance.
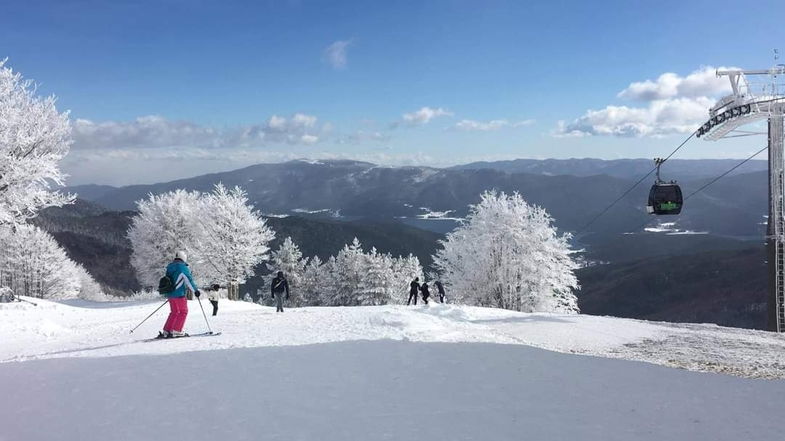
(178, 311)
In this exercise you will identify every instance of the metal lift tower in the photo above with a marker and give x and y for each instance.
(753, 101)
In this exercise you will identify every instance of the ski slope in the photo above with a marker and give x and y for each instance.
(73, 372)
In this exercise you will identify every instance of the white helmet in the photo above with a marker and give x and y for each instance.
(180, 254)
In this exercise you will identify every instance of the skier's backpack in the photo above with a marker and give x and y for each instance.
(165, 285)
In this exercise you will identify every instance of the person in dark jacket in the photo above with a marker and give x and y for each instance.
(425, 292)
(180, 275)
(278, 287)
(413, 290)
(440, 288)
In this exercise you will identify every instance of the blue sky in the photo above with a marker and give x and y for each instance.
(219, 85)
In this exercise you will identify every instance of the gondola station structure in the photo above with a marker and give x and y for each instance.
(760, 95)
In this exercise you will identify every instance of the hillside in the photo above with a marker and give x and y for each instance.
(420, 373)
(724, 287)
(734, 206)
(96, 238)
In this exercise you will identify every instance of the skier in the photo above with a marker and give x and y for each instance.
(177, 271)
(425, 292)
(440, 287)
(278, 286)
(214, 298)
(413, 290)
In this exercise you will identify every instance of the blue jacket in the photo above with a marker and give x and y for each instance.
(181, 276)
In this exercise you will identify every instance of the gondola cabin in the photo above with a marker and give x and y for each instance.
(665, 198)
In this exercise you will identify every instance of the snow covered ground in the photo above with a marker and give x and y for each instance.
(72, 371)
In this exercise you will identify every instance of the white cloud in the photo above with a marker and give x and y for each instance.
(150, 132)
(674, 105)
(424, 116)
(335, 54)
(700, 83)
(496, 124)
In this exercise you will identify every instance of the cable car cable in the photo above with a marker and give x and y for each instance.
(712, 181)
(634, 185)
(724, 174)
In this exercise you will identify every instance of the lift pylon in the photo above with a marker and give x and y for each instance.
(750, 102)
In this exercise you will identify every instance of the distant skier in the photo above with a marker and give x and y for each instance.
(414, 288)
(214, 298)
(182, 281)
(440, 288)
(425, 292)
(278, 286)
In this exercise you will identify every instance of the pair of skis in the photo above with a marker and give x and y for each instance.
(201, 334)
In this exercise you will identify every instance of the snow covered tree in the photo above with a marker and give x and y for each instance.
(405, 269)
(33, 264)
(508, 255)
(289, 259)
(316, 280)
(347, 274)
(233, 238)
(223, 236)
(354, 277)
(378, 279)
(34, 136)
(165, 223)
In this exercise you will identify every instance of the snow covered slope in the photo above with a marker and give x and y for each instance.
(72, 372)
(85, 329)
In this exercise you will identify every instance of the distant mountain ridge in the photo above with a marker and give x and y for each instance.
(678, 169)
(733, 206)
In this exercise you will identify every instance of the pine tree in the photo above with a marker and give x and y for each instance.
(289, 259)
(316, 279)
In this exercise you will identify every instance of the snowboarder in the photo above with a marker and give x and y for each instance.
(179, 274)
(278, 286)
(214, 298)
(440, 288)
(413, 290)
(425, 292)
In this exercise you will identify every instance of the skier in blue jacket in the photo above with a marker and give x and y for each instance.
(180, 275)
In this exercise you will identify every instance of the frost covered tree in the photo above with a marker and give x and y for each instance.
(233, 238)
(223, 236)
(316, 278)
(33, 264)
(405, 269)
(289, 259)
(507, 254)
(354, 277)
(34, 136)
(378, 281)
(165, 223)
(346, 271)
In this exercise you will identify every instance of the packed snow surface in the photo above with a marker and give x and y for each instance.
(73, 372)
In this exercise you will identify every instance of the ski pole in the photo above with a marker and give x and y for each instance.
(205, 315)
(26, 301)
(156, 310)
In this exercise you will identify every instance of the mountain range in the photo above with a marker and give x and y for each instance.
(733, 206)
(668, 272)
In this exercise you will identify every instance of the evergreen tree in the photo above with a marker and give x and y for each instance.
(289, 259)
